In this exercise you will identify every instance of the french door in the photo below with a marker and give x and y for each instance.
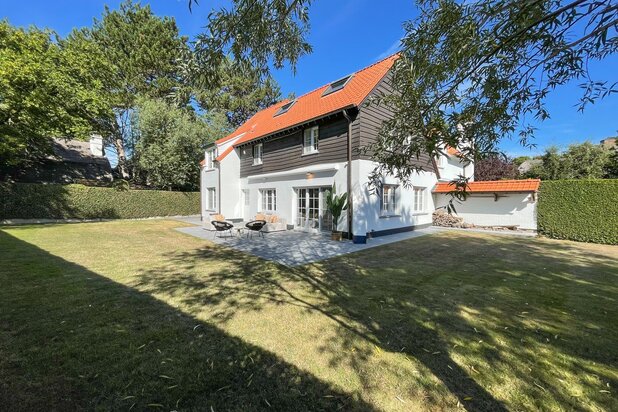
(311, 213)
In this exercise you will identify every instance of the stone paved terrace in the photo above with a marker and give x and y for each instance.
(293, 248)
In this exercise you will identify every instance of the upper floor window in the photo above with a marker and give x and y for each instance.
(390, 199)
(310, 140)
(419, 199)
(269, 200)
(336, 85)
(257, 153)
(210, 158)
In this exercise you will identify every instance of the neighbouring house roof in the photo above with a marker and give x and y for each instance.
(71, 161)
(527, 185)
(75, 151)
(312, 105)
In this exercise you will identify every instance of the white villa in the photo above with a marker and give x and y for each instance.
(283, 159)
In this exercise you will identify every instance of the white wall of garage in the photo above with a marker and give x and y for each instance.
(483, 209)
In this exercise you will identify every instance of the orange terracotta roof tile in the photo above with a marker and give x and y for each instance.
(452, 151)
(313, 105)
(527, 185)
(225, 153)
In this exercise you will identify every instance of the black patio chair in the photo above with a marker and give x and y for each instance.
(221, 227)
(255, 226)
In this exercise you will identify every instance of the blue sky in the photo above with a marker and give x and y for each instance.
(345, 38)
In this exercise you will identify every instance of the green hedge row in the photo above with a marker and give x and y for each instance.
(582, 210)
(53, 201)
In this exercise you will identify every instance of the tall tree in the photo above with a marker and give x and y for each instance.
(170, 142)
(47, 89)
(255, 33)
(240, 93)
(144, 52)
(471, 73)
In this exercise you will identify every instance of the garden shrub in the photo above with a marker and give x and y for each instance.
(54, 201)
(582, 210)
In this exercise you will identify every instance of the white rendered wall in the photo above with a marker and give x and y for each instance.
(208, 178)
(452, 167)
(286, 183)
(482, 209)
(367, 203)
(230, 186)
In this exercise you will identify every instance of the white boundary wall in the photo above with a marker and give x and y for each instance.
(484, 210)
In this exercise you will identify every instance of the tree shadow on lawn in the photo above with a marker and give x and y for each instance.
(500, 321)
(72, 340)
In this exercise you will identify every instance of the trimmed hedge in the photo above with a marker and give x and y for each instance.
(582, 210)
(54, 201)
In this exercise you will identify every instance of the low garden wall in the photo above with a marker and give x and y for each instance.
(582, 210)
(54, 201)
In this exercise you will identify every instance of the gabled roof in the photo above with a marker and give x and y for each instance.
(528, 185)
(313, 105)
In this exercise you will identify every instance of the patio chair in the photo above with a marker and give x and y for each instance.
(221, 227)
(255, 226)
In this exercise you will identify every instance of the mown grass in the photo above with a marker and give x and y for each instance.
(123, 315)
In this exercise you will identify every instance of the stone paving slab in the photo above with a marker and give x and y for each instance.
(295, 248)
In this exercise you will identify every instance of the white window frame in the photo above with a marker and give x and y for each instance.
(269, 200)
(211, 198)
(419, 203)
(258, 147)
(210, 158)
(389, 204)
(310, 140)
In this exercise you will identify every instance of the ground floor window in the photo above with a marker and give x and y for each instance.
(390, 199)
(419, 199)
(269, 200)
(212, 198)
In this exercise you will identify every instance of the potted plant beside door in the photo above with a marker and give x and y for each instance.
(336, 204)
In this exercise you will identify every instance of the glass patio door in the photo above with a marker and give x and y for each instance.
(308, 209)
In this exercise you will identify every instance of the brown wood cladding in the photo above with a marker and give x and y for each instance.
(286, 152)
(370, 120)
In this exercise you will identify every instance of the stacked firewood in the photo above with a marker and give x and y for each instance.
(442, 218)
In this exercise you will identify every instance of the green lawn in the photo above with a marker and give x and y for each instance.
(124, 315)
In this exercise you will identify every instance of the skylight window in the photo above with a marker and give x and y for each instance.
(285, 108)
(336, 85)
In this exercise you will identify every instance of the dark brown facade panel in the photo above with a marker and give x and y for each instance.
(286, 152)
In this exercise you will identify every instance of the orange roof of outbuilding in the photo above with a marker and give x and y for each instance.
(527, 185)
(313, 105)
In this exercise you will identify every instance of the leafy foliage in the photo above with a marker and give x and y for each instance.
(47, 89)
(471, 73)
(255, 33)
(495, 167)
(240, 94)
(170, 143)
(142, 53)
(580, 161)
(582, 210)
(336, 204)
(38, 201)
